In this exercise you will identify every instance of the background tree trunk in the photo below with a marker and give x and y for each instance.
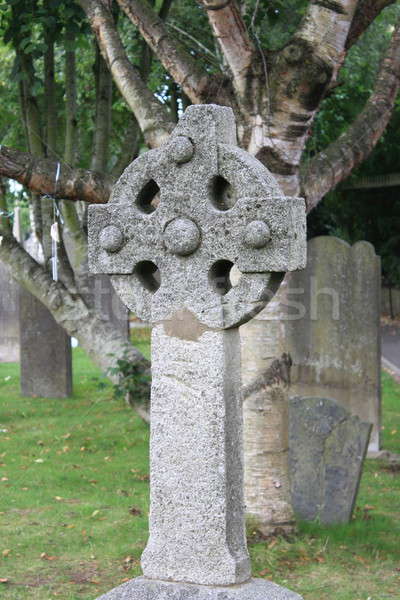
(266, 381)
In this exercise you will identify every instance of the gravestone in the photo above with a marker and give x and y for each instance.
(46, 358)
(333, 337)
(9, 305)
(9, 316)
(170, 262)
(107, 303)
(327, 447)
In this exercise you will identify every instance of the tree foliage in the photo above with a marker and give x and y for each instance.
(89, 84)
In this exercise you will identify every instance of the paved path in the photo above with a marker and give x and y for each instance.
(391, 347)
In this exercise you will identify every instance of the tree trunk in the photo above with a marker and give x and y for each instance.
(266, 381)
(102, 124)
(71, 122)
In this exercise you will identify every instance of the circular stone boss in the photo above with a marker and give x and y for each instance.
(182, 236)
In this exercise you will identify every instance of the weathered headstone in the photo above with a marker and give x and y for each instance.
(46, 358)
(9, 316)
(170, 264)
(333, 332)
(108, 305)
(9, 305)
(327, 447)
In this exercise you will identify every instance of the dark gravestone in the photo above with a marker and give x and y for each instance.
(46, 358)
(327, 447)
(46, 361)
(9, 316)
(107, 304)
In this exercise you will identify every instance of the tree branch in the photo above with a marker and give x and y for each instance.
(184, 69)
(38, 175)
(69, 310)
(366, 13)
(151, 114)
(231, 32)
(335, 163)
(300, 75)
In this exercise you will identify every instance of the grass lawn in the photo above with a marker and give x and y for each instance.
(74, 501)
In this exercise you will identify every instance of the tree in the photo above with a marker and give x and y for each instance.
(275, 63)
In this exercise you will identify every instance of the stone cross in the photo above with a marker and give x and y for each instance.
(179, 219)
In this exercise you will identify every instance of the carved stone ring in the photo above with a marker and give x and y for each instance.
(181, 216)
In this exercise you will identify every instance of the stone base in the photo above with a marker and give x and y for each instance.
(150, 589)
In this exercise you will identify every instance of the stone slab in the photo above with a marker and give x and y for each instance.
(327, 447)
(332, 323)
(196, 475)
(46, 357)
(9, 316)
(145, 589)
(107, 304)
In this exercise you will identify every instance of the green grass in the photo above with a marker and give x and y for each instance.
(74, 502)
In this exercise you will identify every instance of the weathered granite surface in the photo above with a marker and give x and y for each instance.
(179, 219)
(327, 447)
(218, 206)
(335, 342)
(145, 589)
(197, 511)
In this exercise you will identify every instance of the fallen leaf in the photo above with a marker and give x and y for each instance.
(4, 479)
(273, 543)
(95, 513)
(135, 511)
(45, 556)
(264, 572)
(6, 552)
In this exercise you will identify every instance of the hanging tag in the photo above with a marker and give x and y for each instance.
(54, 267)
(54, 260)
(55, 232)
